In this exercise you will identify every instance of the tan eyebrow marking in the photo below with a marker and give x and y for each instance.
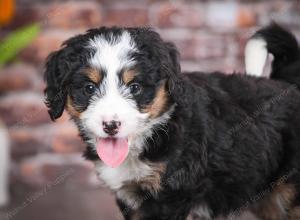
(94, 75)
(128, 76)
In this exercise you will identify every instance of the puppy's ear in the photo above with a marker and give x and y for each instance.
(173, 59)
(180, 90)
(56, 71)
(174, 83)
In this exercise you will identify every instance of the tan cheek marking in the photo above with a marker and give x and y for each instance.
(277, 203)
(70, 108)
(128, 76)
(94, 75)
(159, 104)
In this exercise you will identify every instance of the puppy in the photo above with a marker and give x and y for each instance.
(176, 146)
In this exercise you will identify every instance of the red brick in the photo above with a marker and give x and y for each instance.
(33, 13)
(124, 16)
(209, 46)
(177, 15)
(28, 169)
(76, 15)
(196, 45)
(183, 39)
(230, 15)
(23, 109)
(242, 38)
(26, 142)
(221, 14)
(19, 77)
(246, 17)
(228, 65)
(186, 47)
(59, 138)
(66, 139)
(59, 15)
(283, 12)
(79, 172)
(49, 170)
(44, 44)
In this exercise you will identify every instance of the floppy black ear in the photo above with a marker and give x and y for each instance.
(174, 59)
(174, 83)
(180, 90)
(56, 71)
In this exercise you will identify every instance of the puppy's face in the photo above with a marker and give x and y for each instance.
(114, 83)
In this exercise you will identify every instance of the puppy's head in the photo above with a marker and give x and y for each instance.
(114, 83)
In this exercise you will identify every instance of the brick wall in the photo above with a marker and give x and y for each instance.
(209, 34)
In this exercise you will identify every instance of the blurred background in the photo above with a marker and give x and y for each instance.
(42, 173)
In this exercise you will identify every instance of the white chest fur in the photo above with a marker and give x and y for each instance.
(132, 169)
(133, 174)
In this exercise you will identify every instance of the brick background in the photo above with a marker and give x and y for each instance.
(209, 34)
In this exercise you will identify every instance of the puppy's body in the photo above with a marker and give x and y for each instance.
(204, 145)
(230, 152)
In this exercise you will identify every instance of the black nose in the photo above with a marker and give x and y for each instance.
(111, 127)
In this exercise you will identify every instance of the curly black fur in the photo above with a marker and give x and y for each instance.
(230, 137)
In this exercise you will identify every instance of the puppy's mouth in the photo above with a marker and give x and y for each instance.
(112, 151)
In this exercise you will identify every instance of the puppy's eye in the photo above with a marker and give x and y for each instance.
(135, 88)
(90, 89)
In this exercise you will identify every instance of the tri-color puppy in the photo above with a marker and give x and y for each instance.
(176, 146)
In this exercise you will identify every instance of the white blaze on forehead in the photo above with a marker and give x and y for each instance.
(112, 53)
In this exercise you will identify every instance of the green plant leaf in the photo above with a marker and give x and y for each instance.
(16, 41)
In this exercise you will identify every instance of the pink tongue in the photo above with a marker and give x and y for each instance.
(112, 151)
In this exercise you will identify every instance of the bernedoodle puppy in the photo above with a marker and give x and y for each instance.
(175, 146)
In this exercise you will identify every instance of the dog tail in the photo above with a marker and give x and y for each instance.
(283, 45)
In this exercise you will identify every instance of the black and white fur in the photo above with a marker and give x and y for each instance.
(216, 141)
